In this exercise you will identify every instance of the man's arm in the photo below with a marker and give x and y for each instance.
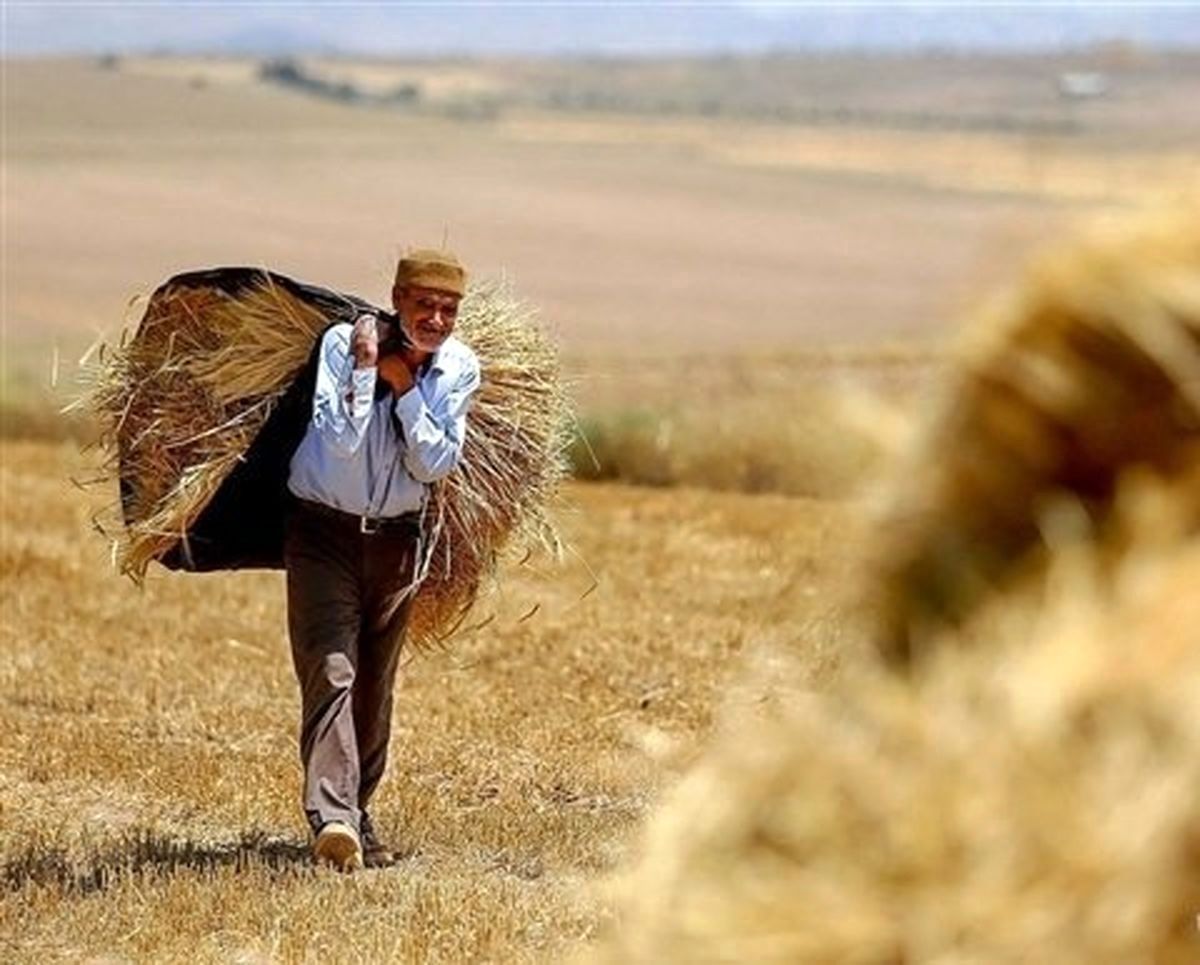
(345, 389)
(434, 429)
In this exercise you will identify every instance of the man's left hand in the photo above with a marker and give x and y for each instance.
(394, 371)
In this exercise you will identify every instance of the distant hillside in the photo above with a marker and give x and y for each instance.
(567, 28)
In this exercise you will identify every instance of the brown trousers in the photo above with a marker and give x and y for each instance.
(346, 618)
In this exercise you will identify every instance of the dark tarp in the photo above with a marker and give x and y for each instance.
(242, 525)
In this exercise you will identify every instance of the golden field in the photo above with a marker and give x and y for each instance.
(754, 306)
(152, 768)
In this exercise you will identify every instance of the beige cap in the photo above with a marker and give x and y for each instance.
(431, 268)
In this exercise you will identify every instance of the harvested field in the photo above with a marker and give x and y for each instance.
(642, 245)
(153, 774)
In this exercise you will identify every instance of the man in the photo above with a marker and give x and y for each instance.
(388, 418)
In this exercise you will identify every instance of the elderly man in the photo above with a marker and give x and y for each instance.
(388, 418)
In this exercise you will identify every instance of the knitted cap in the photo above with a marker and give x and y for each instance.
(431, 268)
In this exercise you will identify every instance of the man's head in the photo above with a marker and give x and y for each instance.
(429, 285)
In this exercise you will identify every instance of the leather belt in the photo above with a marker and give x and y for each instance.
(365, 524)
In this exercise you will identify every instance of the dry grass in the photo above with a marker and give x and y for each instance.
(743, 445)
(807, 422)
(152, 776)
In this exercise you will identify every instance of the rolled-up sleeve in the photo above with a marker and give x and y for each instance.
(343, 397)
(434, 428)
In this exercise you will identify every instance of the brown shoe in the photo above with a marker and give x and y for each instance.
(338, 845)
(375, 853)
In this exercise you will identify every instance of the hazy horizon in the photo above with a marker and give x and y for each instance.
(581, 28)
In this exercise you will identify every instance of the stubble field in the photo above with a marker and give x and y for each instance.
(150, 769)
(780, 289)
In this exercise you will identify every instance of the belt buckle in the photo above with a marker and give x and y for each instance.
(368, 525)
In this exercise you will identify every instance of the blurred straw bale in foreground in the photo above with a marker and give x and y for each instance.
(1030, 790)
(1089, 370)
(1033, 799)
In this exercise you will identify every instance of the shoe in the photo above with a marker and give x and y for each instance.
(375, 853)
(338, 845)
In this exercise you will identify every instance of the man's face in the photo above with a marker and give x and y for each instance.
(426, 315)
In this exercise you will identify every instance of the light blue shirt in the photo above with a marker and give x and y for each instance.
(356, 457)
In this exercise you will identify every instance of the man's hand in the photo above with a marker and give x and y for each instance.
(364, 342)
(396, 373)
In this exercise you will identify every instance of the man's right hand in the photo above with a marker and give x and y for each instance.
(364, 342)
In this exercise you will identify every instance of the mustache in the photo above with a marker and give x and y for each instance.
(429, 328)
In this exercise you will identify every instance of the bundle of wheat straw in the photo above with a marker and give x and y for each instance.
(180, 403)
(1090, 368)
(514, 459)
